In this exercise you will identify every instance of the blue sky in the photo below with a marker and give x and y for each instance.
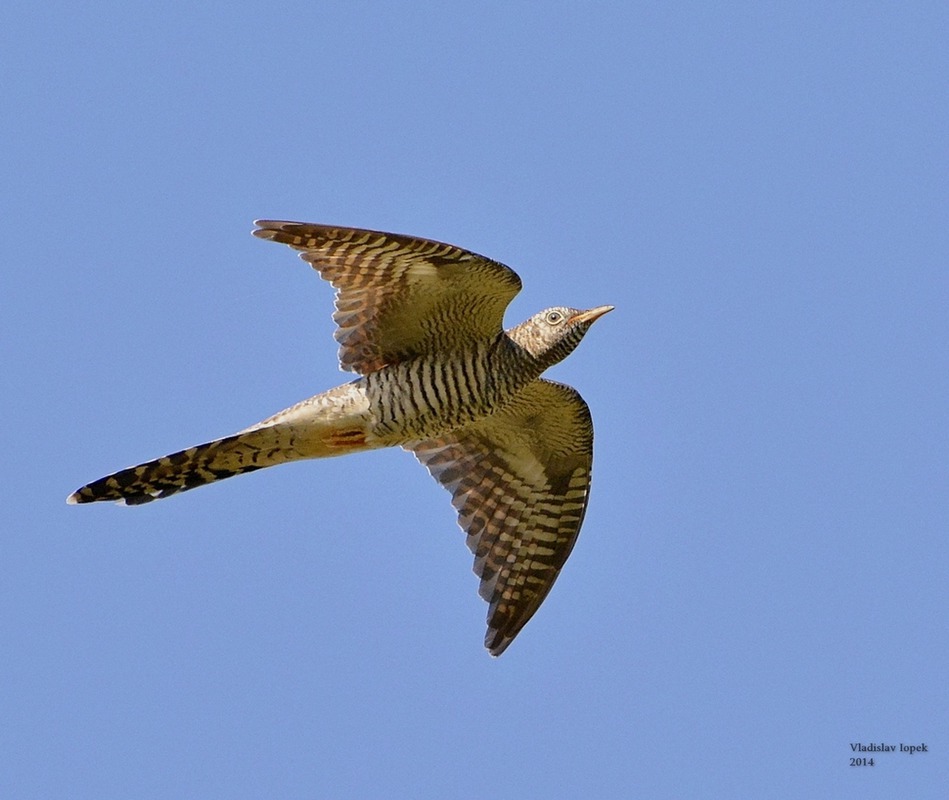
(763, 194)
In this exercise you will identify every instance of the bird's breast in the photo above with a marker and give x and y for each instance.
(429, 395)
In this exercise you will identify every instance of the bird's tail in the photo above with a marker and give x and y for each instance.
(196, 466)
(331, 424)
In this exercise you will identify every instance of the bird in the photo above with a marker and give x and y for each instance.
(421, 323)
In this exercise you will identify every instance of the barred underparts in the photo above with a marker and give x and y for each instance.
(421, 323)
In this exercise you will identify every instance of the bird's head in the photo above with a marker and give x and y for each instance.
(552, 335)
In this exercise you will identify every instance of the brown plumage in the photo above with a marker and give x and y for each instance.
(421, 323)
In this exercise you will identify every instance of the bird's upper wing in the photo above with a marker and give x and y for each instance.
(520, 481)
(399, 296)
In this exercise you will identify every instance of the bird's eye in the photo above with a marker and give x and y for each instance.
(553, 317)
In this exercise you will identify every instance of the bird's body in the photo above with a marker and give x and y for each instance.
(420, 321)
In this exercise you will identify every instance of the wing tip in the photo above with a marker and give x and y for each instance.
(268, 228)
(496, 642)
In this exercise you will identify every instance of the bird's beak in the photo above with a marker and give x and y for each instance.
(590, 315)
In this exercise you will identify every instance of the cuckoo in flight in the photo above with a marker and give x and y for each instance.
(421, 323)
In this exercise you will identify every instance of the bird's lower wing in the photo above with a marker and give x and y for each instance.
(520, 481)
